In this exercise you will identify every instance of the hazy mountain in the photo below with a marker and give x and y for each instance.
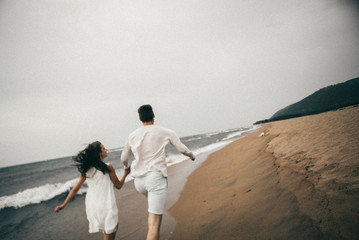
(326, 99)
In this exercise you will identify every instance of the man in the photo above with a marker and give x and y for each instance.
(149, 168)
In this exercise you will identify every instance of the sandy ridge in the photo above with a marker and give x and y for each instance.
(299, 180)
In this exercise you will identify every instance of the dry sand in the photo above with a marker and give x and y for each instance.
(298, 181)
(133, 206)
(72, 223)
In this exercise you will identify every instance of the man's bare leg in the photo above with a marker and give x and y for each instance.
(154, 225)
(110, 236)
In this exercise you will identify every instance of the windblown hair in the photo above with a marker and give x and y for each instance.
(146, 113)
(90, 157)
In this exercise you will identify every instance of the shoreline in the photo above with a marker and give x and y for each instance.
(134, 204)
(299, 180)
(37, 221)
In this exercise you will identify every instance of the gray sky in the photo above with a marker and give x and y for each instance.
(75, 71)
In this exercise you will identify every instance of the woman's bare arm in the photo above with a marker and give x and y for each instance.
(118, 183)
(71, 194)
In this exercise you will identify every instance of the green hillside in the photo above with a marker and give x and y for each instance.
(326, 99)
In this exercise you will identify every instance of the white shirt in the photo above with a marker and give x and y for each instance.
(148, 146)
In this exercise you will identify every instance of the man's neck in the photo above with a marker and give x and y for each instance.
(147, 123)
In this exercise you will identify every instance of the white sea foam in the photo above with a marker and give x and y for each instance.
(37, 194)
(49, 191)
(115, 149)
(194, 138)
(175, 159)
(240, 133)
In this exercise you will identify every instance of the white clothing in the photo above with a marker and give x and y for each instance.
(101, 208)
(154, 187)
(148, 146)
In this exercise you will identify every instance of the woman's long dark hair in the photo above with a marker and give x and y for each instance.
(90, 157)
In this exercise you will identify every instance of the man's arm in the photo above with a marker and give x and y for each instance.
(125, 155)
(190, 155)
(176, 142)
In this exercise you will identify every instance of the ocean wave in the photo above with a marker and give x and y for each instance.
(240, 133)
(194, 138)
(49, 191)
(115, 149)
(178, 158)
(37, 194)
(44, 193)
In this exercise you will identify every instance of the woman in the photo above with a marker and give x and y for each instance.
(101, 208)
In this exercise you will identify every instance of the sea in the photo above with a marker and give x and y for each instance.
(29, 192)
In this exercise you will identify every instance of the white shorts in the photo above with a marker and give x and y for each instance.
(154, 186)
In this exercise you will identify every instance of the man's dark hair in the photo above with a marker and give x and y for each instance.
(146, 113)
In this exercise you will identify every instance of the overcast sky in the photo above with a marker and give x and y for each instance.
(75, 71)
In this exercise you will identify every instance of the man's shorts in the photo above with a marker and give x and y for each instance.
(154, 186)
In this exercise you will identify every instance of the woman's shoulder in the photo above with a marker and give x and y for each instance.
(91, 172)
(110, 166)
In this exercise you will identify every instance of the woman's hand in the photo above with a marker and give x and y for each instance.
(58, 208)
(127, 171)
(118, 183)
(71, 194)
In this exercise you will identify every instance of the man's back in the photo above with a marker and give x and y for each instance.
(149, 167)
(149, 141)
(148, 146)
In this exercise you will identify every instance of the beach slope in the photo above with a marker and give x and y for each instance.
(297, 180)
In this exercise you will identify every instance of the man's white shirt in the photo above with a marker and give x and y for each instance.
(147, 144)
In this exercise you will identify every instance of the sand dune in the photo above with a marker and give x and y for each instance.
(299, 180)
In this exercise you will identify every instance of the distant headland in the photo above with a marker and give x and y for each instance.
(326, 99)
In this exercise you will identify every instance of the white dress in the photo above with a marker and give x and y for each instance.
(101, 208)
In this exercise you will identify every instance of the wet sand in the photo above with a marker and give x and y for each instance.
(133, 206)
(300, 180)
(72, 223)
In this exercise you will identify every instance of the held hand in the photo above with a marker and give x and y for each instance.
(127, 171)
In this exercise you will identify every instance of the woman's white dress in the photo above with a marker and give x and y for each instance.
(101, 208)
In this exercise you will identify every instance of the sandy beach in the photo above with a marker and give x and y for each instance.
(291, 179)
(71, 223)
(133, 206)
(297, 180)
